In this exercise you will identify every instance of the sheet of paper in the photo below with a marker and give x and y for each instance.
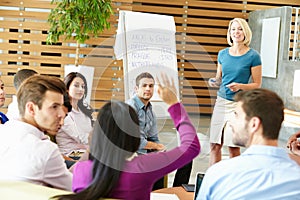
(162, 196)
(146, 42)
(296, 85)
(269, 46)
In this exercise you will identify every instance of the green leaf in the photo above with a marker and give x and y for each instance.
(82, 17)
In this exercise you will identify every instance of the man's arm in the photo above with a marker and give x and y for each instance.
(56, 173)
(295, 158)
(153, 140)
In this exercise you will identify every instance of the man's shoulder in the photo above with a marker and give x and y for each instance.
(226, 166)
(44, 150)
(25, 135)
(42, 145)
(32, 148)
(133, 102)
(130, 101)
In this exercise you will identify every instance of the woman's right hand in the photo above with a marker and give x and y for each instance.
(167, 90)
(213, 82)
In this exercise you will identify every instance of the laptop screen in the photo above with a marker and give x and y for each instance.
(199, 178)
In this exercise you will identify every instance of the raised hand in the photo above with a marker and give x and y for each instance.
(167, 90)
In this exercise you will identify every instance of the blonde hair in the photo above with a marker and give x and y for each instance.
(246, 30)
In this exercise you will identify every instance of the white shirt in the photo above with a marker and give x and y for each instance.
(74, 134)
(28, 155)
(12, 109)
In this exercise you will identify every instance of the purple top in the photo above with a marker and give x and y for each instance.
(140, 174)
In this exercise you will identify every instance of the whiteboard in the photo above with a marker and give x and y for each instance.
(296, 84)
(146, 43)
(269, 46)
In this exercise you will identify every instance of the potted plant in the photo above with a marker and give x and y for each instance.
(76, 19)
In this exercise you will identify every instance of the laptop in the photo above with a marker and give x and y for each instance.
(199, 178)
(194, 187)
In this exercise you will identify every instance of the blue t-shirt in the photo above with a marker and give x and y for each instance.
(236, 69)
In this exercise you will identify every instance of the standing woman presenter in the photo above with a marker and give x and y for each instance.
(239, 68)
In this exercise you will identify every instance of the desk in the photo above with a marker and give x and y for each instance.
(27, 191)
(15, 190)
(179, 191)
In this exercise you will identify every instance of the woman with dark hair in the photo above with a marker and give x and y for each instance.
(113, 169)
(73, 135)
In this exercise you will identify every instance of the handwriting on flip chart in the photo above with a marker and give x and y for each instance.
(148, 49)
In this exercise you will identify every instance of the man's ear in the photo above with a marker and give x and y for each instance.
(136, 89)
(30, 108)
(254, 124)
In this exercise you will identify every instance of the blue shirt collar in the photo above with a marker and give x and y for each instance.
(266, 150)
(139, 103)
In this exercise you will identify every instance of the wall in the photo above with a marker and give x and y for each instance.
(283, 84)
(201, 27)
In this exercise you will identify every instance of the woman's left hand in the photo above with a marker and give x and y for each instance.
(234, 87)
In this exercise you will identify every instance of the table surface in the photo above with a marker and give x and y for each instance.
(179, 191)
(27, 191)
(15, 190)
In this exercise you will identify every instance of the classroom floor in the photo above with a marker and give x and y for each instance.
(168, 137)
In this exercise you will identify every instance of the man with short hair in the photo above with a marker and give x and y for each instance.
(141, 103)
(264, 170)
(26, 152)
(19, 77)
